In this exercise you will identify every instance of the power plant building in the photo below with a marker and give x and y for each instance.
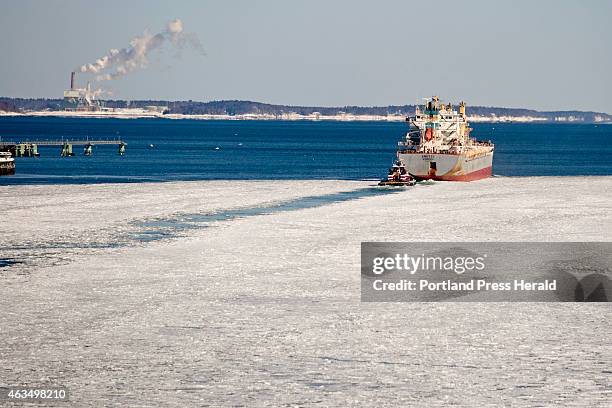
(80, 99)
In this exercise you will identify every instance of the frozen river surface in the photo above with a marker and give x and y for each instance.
(247, 294)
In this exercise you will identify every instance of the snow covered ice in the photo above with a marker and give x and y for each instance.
(263, 309)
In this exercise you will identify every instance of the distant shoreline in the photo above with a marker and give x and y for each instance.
(345, 117)
(251, 110)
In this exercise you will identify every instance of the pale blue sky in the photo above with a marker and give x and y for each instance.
(536, 54)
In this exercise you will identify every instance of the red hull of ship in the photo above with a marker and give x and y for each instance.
(475, 175)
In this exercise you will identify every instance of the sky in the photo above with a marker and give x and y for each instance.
(545, 55)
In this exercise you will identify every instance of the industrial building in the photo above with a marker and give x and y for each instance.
(80, 99)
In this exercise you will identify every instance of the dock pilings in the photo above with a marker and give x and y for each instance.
(30, 148)
(67, 150)
(25, 150)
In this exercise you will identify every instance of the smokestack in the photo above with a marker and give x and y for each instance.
(72, 80)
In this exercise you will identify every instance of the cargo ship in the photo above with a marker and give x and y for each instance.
(7, 163)
(438, 145)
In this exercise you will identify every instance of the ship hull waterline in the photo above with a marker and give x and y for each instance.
(448, 167)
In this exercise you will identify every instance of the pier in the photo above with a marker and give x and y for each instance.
(29, 148)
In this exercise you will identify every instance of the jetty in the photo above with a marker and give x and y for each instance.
(29, 148)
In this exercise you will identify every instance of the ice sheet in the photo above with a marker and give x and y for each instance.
(264, 310)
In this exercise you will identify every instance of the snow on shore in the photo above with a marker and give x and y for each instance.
(136, 113)
(264, 310)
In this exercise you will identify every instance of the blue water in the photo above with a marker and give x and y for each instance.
(204, 150)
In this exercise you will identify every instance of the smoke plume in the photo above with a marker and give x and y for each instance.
(117, 63)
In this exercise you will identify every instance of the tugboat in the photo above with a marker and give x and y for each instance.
(398, 176)
(7, 163)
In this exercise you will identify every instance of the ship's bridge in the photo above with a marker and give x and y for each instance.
(437, 127)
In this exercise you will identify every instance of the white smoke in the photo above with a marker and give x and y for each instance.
(100, 92)
(123, 61)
